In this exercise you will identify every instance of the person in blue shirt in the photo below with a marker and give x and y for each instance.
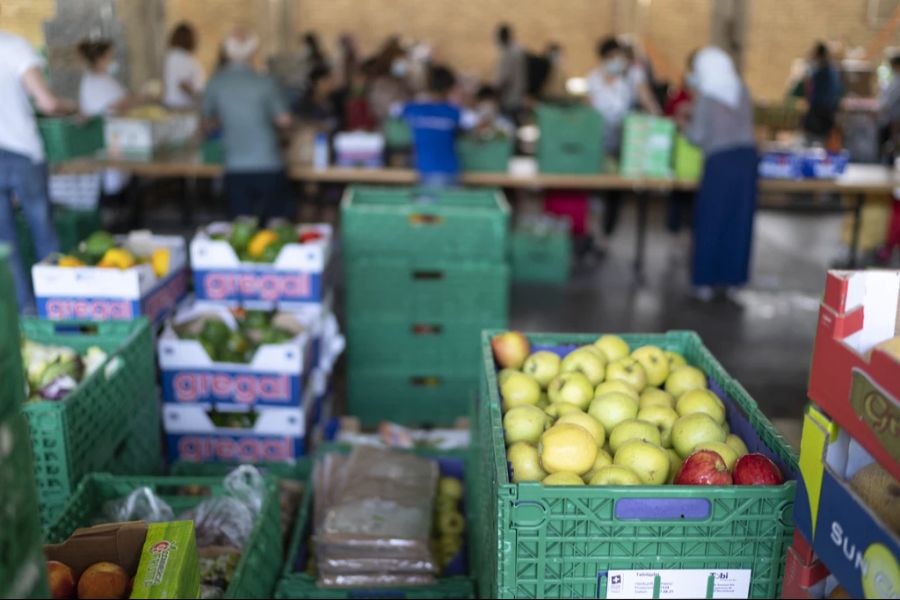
(434, 121)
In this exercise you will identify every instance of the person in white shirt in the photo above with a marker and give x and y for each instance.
(512, 76)
(612, 94)
(100, 93)
(23, 168)
(183, 76)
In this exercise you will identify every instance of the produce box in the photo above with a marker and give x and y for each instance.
(541, 251)
(275, 375)
(571, 139)
(297, 581)
(146, 130)
(847, 508)
(78, 191)
(66, 138)
(687, 159)
(160, 558)
(855, 371)
(477, 154)
(607, 541)
(812, 163)
(775, 164)
(22, 572)
(234, 433)
(261, 557)
(298, 274)
(83, 431)
(391, 222)
(99, 294)
(647, 143)
(417, 288)
(408, 396)
(803, 579)
(72, 226)
(359, 149)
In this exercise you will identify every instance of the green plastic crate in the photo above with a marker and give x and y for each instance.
(302, 584)
(647, 142)
(11, 390)
(393, 222)
(22, 572)
(418, 288)
(557, 542)
(409, 397)
(397, 133)
(261, 558)
(417, 346)
(571, 139)
(84, 431)
(141, 451)
(484, 155)
(66, 138)
(72, 226)
(212, 151)
(688, 159)
(544, 257)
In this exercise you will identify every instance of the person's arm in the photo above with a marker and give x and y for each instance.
(696, 129)
(46, 101)
(646, 98)
(278, 107)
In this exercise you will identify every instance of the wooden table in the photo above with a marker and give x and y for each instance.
(856, 182)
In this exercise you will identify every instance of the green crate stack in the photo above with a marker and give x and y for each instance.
(538, 541)
(397, 133)
(66, 138)
(94, 428)
(72, 226)
(571, 139)
(212, 151)
(301, 583)
(480, 154)
(687, 159)
(257, 570)
(647, 143)
(22, 573)
(423, 278)
(541, 255)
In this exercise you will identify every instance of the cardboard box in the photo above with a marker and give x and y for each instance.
(851, 378)
(275, 377)
(647, 144)
(848, 537)
(93, 293)
(276, 434)
(141, 137)
(359, 149)
(299, 275)
(802, 579)
(162, 557)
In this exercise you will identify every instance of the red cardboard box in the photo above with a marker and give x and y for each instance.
(855, 374)
(803, 579)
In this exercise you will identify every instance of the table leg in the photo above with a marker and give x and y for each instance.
(857, 223)
(640, 240)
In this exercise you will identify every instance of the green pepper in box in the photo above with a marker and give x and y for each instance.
(540, 541)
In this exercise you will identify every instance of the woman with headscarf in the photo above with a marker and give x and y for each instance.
(722, 125)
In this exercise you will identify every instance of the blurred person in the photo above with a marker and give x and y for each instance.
(612, 95)
(250, 109)
(554, 87)
(823, 90)
(511, 80)
(321, 104)
(357, 112)
(678, 107)
(347, 59)
(434, 122)
(640, 77)
(183, 76)
(889, 122)
(23, 168)
(722, 125)
(486, 115)
(387, 72)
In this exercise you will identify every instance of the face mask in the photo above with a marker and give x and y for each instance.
(615, 66)
(113, 68)
(399, 68)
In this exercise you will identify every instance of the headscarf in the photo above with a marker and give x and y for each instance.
(716, 76)
(240, 48)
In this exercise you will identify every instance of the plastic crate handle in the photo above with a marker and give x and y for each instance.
(425, 381)
(63, 328)
(426, 328)
(425, 219)
(427, 275)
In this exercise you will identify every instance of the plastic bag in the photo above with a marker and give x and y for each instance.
(142, 504)
(227, 520)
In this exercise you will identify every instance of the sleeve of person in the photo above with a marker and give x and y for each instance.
(695, 131)
(468, 119)
(199, 76)
(22, 56)
(277, 102)
(208, 103)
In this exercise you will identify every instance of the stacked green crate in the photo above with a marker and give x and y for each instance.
(647, 143)
(72, 226)
(425, 273)
(540, 250)
(22, 572)
(571, 139)
(484, 154)
(66, 137)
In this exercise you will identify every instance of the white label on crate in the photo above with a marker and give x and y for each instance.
(678, 583)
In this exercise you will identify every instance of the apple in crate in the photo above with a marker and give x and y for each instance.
(757, 469)
(703, 467)
(511, 348)
(61, 579)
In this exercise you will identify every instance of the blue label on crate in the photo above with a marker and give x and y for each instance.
(88, 309)
(250, 448)
(267, 285)
(218, 387)
(163, 298)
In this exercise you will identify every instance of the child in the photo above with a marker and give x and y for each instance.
(434, 121)
(487, 115)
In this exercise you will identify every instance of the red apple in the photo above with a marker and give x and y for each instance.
(756, 469)
(703, 467)
(511, 348)
(309, 236)
(61, 578)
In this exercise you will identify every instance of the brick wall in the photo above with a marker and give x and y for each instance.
(26, 18)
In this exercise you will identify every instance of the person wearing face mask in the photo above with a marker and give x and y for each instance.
(612, 95)
(722, 125)
(100, 93)
(486, 116)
